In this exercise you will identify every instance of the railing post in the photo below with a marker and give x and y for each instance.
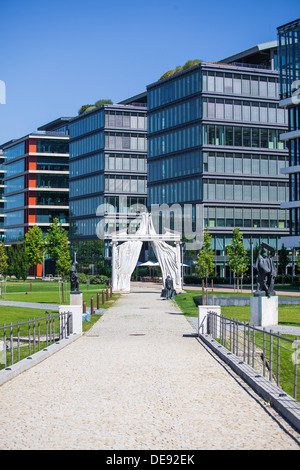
(278, 358)
(11, 345)
(92, 305)
(271, 356)
(264, 352)
(296, 370)
(4, 346)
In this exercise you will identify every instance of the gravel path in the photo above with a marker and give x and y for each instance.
(139, 379)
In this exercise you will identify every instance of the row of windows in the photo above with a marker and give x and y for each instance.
(89, 185)
(247, 191)
(15, 168)
(126, 120)
(87, 165)
(295, 187)
(237, 84)
(176, 192)
(15, 184)
(294, 118)
(127, 204)
(289, 59)
(242, 136)
(177, 165)
(86, 227)
(17, 200)
(92, 143)
(250, 217)
(52, 181)
(243, 163)
(49, 198)
(294, 147)
(175, 141)
(14, 234)
(175, 115)
(174, 90)
(247, 111)
(52, 163)
(43, 216)
(14, 218)
(52, 146)
(125, 162)
(295, 221)
(118, 119)
(125, 184)
(15, 151)
(219, 243)
(125, 142)
(88, 123)
(85, 206)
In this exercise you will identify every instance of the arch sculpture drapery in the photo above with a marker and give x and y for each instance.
(126, 255)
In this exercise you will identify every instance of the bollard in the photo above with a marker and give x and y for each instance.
(110, 291)
(103, 301)
(84, 306)
(31, 287)
(92, 305)
(106, 294)
(98, 300)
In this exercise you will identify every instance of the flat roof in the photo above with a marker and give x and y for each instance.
(253, 50)
(288, 25)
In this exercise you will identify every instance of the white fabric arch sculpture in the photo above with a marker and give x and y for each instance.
(126, 255)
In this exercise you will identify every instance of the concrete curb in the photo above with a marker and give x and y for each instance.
(25, 364)
(287, 406)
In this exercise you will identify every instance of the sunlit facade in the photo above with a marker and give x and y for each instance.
(289, 61)
(214, 139)
(108, 169)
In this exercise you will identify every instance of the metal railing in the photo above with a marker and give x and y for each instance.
(22, 339)
(274, 356)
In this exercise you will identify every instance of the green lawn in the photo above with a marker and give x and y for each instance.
(47, 292)
(287, 314)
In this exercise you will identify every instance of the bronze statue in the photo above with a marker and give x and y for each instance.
(74, 278)
(266, 271)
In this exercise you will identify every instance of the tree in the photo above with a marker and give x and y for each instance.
(10, 261)
(283, 261)
(21, 265)
(205, 262)
(3, 260)
(34, 245)
(238, 256)
(89, 107)
(179, 68)
(57, 247)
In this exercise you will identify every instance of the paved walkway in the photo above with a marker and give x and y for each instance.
(139, 379)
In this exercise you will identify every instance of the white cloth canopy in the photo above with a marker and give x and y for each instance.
(126, 255)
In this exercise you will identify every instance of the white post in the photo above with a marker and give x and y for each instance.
(113, 263)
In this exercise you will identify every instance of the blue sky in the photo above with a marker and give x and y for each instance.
(59, 55)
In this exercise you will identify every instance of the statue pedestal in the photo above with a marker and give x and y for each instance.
(264, 310)
(76, 298)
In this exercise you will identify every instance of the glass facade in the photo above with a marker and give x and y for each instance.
(289, 58)
(36, 182)
(289, 68)
(108, 166)
(214, 138)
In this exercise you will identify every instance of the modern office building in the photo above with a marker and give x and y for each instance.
(214, 139)
(108, 169)
(2, 173)
(289, 67)
(36, 181)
